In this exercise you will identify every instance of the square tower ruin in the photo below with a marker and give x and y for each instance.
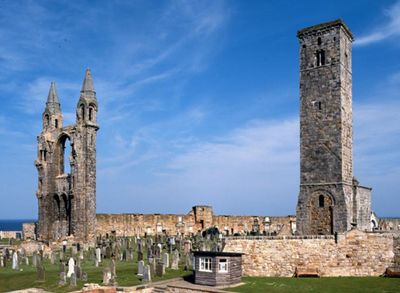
(330, 199)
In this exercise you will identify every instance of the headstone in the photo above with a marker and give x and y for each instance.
(52, 258)
(140, 268)
(2, 263)
(175, 260)
(140, 255)
(78, 272)
(63, 279)
(40, 273)
(27, 260)
(61, 255)
(96, 262)
(34, 259)
(81, 255)
(71, 267)
(113, 269)
(160, 269)
(98, 254)
(15, 265)
(166, 259)
(72, 280)
(106, 276)
(147, 274)
(84, 277)
(62, 267)
(74, 250)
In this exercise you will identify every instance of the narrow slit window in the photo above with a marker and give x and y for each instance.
(90, 114)
(321, 201)
(320, 57)
(56, 123)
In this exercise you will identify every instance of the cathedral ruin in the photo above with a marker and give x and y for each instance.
(330, 200)
(67, 201)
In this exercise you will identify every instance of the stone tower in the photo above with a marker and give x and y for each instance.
(67, 200)
(330, 199)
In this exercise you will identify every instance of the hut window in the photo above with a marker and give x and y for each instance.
(223, 265)
(205, 264)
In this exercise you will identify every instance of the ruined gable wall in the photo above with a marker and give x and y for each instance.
(355, 254)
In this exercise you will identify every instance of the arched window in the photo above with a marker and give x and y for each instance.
(47, 119)
(56, 123)
(82, 109)
(90, 113)
(321, 201)
(320, 57)
(63, 155)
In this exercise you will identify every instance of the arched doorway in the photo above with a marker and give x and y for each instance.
(321, 210)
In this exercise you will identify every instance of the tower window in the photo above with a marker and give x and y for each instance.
(56, 123)
(83, 112)
(90, 113)
(320, 57)
(321, 201)
(319, 41)
(319, 105)
(47, 117)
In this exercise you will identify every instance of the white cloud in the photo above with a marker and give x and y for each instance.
(390, 28)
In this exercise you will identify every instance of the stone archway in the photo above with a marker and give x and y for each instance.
(321, 209)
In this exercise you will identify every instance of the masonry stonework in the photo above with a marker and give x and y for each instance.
(330, 199)
(356, 253)
(67, 200)
(198, 219)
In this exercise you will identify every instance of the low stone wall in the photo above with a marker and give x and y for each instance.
(9, 234)
(29, 231)
(355, 253)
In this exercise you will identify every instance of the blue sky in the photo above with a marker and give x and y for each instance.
(198, 100)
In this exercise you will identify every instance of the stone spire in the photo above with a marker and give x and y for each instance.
(53, 103)
(87, 85)
(88, 94)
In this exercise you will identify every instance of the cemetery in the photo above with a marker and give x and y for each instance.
(333, 234)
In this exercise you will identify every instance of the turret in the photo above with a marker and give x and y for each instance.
(52, 116)
(87, 107)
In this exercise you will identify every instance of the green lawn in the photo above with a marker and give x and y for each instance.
(126, 276)
(327, 284)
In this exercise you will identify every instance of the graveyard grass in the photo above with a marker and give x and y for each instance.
(26, 277)
(325, 284)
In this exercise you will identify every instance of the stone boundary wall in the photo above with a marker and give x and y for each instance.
(197, 219)
(9, 234)
(355, 253)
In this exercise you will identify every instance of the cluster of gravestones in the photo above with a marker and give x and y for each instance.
(154, 255)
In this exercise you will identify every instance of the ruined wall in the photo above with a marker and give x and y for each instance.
(356, 253)
(389, 224)
(198, 219)
(29, 231)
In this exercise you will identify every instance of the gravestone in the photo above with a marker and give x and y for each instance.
(106, 276)
(27, 260)
(165, 260)
(160, 269)
(63, 279)
(74, 250)
(147, 274)
(2, 263)
(140, 255)
(175, 260)
(84, 277)
(40, 273)
(71, 267)
(140, 268)
(61, 255)
(52, 258)
(98, 254)
(113, 269)
(15, 265)
(78, 272)
(34, 260)
(72, 280)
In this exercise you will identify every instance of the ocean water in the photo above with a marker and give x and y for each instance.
(14, 225)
